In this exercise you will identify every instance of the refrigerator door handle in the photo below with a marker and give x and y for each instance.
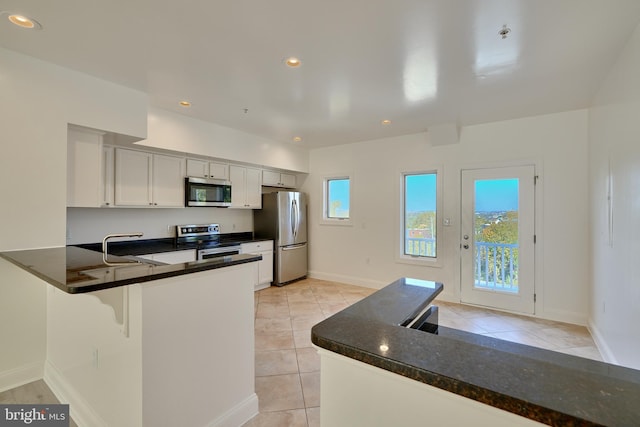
(293, 247)
(295, 201)
(293, 221)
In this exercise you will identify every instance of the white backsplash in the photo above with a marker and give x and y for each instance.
(90, 225)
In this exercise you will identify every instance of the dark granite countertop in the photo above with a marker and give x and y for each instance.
(549, 387)
(151, 246)
(77, 270)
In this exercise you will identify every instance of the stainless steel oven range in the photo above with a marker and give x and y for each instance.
(205, 238)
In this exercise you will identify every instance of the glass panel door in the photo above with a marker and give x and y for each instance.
(497, 241)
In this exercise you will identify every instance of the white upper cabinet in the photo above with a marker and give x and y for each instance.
(85, 180)
(133, 178)
(277, 179)
(167, 181)
(246, 187)
(205, 169)
(146, 179)
(108, 169)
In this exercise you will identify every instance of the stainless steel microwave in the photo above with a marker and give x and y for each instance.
(207, 192)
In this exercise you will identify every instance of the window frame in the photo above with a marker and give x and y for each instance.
(326, 220)
(403, 258)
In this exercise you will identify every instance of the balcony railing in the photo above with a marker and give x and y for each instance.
(420, 246)
(496, 266)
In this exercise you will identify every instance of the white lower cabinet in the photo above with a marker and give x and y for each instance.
(265, 267)
(176, 257)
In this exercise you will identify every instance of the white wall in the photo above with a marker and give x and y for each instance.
(173, 131)
(39, 99)
(90, 225)
(614, 153)
(555, 143)
(355, 394)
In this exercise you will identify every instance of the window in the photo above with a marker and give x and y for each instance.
(419, 215)
(337, 200)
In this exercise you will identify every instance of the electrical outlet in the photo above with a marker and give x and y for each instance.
(94, 358)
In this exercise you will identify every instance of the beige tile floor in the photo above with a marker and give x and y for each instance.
(36, 393)
(288, 368)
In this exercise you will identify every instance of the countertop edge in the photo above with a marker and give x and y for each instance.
(545, 386)
(172, 269)
(471, 391)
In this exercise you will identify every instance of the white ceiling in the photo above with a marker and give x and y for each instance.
(418, 63)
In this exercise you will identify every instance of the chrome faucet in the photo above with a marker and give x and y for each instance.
(105, 254)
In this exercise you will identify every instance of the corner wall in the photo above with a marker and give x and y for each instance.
(555, 143)
(614, 154)
(39, 99)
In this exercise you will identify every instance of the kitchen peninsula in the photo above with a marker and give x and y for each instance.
(148, 344)
(375, 372)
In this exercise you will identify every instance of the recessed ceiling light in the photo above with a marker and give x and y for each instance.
(386, 122)
(292, 62)
(297, 139)
(185, 104)
(23, 21)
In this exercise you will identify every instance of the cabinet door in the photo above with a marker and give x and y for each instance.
(108, 165)
(168, 181)
(176, 257)
(197, 168)
(271, 178)
(133, 178)
(265, 268)
(84, 168)
(218, 170)
(254, 188)
(238, 178)
(288, 180)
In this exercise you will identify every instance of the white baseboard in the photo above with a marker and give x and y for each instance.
(605, 350)
(563, 316)
(239, 414)
(80, 410)
(349, 280)
(21, 375)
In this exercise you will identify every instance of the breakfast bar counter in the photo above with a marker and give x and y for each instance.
(78, 270)
(481, 372)
(132, 342)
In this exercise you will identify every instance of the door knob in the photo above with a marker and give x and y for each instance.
(466, 246)
(465, 237)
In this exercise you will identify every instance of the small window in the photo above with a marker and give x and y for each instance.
(337, 200)
(420, 218)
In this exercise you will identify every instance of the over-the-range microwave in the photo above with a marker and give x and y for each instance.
(207, 192)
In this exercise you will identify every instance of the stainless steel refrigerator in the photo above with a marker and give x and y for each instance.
(283, 218)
